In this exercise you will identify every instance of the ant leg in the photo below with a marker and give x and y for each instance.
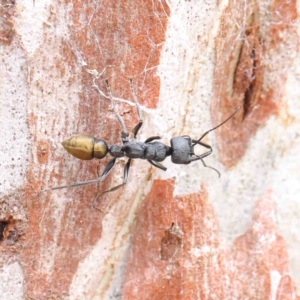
(208, 131)
(76, 184)
(152, 138)
(138, 108)
(126, 172)
(157, 165)
(125, 133)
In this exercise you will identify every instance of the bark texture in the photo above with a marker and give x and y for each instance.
(179, 234)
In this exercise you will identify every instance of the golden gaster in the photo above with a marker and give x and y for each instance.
(85, 147)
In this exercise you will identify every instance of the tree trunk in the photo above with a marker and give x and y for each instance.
(180, 234)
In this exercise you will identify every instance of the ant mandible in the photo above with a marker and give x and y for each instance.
(87, 147)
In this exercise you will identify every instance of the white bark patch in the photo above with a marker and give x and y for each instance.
(13, 119)
(11, 278)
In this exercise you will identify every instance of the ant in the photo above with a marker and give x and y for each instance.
(87, 147)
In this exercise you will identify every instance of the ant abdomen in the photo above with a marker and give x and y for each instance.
(85, 147)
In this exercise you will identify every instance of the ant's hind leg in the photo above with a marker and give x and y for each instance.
(126, 172)
(138, 108)
(125, 133)
(77, 184)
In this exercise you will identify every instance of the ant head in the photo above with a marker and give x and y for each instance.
(85, 147)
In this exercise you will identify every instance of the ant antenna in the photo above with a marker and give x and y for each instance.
(208, 131)
(194, 142)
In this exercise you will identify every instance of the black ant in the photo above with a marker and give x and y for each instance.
(87, 147)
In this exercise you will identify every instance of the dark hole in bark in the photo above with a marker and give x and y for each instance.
(3, 224)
